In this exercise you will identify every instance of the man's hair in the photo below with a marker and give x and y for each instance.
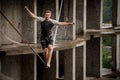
(48, 11)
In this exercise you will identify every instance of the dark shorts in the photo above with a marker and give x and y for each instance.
(45, 41)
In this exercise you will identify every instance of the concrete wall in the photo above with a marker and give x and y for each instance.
(93, 14)
(27, 21)
(79, 16)
(67, 15)
(12, 9)
(27, 67)
(11, 67)
(68, 62)
(80, 63)
(46, 73)
(17, 67)
(93, 57)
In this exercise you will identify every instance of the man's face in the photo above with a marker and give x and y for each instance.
(47, 16)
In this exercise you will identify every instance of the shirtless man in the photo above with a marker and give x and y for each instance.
(46, 32)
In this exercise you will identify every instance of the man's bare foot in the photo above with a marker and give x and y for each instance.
(48, 65)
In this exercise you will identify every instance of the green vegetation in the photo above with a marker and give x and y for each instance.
(107, 41)
(107, 11)
(106, 59)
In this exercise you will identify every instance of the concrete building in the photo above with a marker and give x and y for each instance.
(78, 50)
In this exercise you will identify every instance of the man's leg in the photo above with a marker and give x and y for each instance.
(46, 54)
(50, 51)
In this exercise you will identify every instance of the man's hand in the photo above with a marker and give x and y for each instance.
(26, 8)
(71, 23)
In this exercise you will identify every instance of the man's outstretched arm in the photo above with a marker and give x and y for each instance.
(66, 23)
(30, 13)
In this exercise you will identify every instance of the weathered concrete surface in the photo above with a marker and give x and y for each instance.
(12, 9)
(118, 13)
(17, 67)
(25, 49)
(27, 67)
(79, 16)
(3, 77)
(114, 56)
(11, 67)
(27, 21)
(68, 74)
(80, 63)
(93, 14)
(47, 73)
(118, 52)
(93, 57)
(0, 26)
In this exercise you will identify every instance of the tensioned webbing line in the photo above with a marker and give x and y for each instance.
(56, 30)
(23, 38)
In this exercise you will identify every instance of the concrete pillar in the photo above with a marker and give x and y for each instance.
(0, 65)
(118, 52)
(0, 25)
(93, 57)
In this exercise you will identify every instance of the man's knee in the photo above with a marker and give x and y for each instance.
(50, 47)
(46, 49)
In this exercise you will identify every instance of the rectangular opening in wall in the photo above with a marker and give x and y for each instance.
(107, 14)
(107, 54)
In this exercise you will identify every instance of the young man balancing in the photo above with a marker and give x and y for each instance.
(46, 32)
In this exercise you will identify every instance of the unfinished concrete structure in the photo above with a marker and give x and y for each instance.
(78, 50)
